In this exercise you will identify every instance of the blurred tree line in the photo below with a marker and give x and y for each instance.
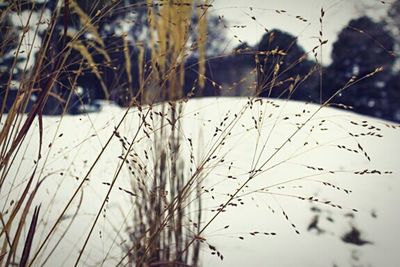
(276, 67)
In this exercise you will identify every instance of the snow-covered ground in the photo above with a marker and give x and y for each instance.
(259, 140)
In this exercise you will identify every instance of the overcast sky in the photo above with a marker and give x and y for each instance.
(337, 14)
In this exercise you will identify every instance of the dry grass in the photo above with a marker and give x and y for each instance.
(167, 178)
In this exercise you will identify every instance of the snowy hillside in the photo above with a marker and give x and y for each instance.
(319, 172)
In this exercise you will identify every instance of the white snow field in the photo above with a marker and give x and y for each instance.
(297, 149)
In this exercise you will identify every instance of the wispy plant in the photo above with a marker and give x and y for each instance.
(167, 170)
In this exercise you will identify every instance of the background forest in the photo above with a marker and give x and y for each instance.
(362, 46)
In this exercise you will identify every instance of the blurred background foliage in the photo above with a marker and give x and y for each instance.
(276, 67)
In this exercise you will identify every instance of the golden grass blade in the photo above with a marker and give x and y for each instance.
(128, 65)
(81, 48)
(86, 22)
(19, 204)
(202, 41)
